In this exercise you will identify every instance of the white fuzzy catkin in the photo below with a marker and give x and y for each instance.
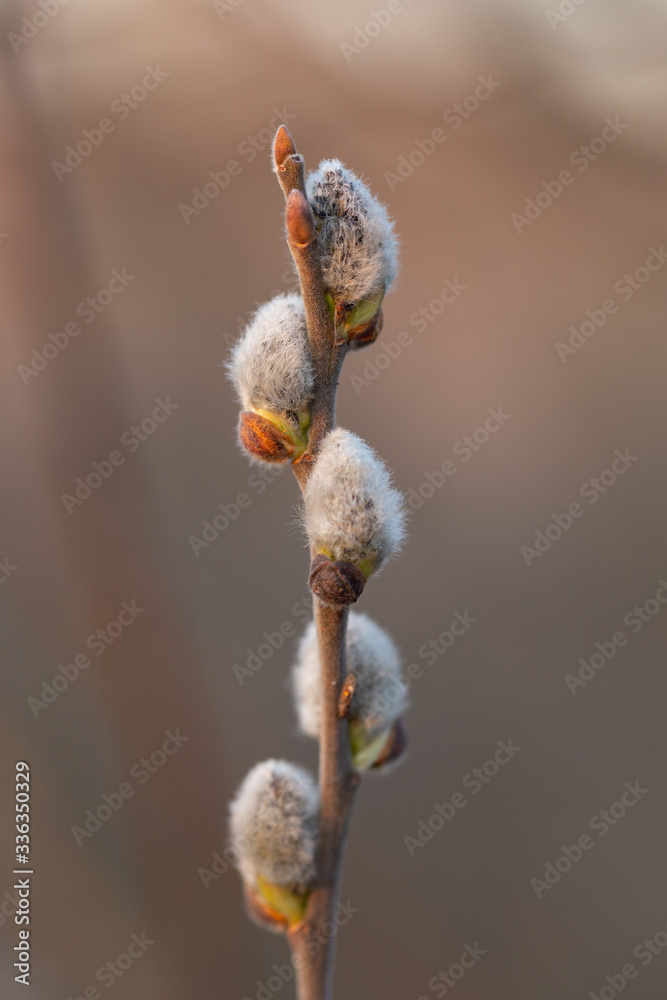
(273, 825)
(351, 510)
(359, 246)
(271, 365)
(380, 693)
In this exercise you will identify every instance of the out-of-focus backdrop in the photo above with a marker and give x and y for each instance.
(522, 149)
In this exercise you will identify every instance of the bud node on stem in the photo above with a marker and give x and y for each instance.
(261, 913)
(366, 333)
(263, 440)
(396, 746)
(337, 584)
(346, 696)
(299, 220)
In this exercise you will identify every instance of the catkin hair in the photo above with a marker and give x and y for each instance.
(359, 246)
(273, 823)
(351, 510)
(271, 365)
(380, 693)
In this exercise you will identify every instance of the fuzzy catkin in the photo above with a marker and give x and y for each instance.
(271, 366)
(273, 825)
(351, 510)
(359, 246)
(380, 693)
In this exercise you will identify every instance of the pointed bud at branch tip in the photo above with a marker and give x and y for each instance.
(299, 220)
(283, 146)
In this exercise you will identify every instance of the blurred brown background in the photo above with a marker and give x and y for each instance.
(221, 76)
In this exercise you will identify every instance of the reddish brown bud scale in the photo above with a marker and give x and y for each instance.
(337, 584)
(367, 333)
(396, 746)
(299, 219)
(283, 146)
(263, 439)
(261, 913)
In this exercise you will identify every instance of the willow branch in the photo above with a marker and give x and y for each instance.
(312, 947)
(327, 350)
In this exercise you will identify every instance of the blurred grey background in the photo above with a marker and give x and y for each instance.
(190, 88)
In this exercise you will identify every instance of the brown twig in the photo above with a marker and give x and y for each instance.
(312, 947)
(328, 354)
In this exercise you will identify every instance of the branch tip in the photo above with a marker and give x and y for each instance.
(283, 146)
